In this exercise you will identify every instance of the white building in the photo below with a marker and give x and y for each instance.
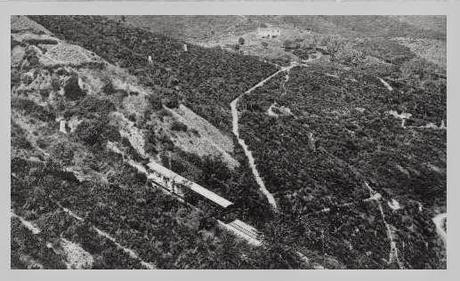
(268, 32)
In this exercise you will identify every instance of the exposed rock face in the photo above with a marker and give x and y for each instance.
(72, 89)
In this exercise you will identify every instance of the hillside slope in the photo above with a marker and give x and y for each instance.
(79, 204)
(347, 139)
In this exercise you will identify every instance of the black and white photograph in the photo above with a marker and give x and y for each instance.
(305, 142)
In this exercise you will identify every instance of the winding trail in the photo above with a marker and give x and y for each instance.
(394, 253)
(247, 152)
(235, 126)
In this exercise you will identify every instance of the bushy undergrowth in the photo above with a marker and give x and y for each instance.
(387, 50)
(341, 137)
(32, 109)
(155, 225)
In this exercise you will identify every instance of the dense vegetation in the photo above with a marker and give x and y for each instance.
(155, 225)
(319, 137)
(341, 136)
(386, 50)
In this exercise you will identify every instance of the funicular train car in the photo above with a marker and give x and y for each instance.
(191, 192)
(216, 206)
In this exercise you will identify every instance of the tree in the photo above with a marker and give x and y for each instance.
(178, 126)
(419, 71)
(72, 89)
(241, 41)
(62, 152)
(348, 56)
(155, 102)
(108, 88)
(90, 132)
(333, 44)
(278, 240)
(265, 45)
(94, 107)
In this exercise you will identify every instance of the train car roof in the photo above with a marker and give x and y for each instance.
(193, 186)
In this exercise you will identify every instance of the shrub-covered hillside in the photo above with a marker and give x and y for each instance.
(341, 137)
(78, 124)
(330, 140)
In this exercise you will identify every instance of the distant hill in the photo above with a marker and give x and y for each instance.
(428, 23)
(207, 27)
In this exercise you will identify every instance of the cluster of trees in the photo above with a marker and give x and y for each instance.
(179, 126)
(94, 129)
(29, 107)
(385, 49)
(342, 50)
(18, 137)
(91, 107)
(72, 90)
(421, 73)
(194, 70)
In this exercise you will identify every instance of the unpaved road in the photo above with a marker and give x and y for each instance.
(235, 127)
(247, 152)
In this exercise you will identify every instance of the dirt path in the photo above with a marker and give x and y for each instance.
(247, 152)
(394, 253)
(30, 226)
(385, 83)
(235, 126)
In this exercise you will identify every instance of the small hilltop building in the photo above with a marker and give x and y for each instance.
(268, 32)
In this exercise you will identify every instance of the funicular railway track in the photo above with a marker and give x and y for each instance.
(176, 185)
(171, 183)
